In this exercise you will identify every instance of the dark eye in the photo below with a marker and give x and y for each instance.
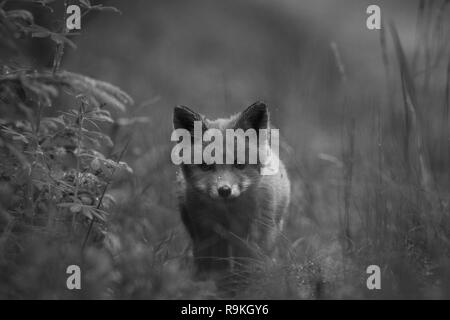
(206, 167)
(239, 166)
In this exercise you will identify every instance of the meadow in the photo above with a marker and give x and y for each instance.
(86, 176)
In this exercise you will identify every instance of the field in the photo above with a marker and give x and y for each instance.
(86, 176)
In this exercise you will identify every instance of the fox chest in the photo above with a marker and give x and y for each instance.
(235, 216)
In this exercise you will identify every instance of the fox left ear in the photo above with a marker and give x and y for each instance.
(183, 118)
(254, 117)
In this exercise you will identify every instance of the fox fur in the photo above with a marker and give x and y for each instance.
(232, 230)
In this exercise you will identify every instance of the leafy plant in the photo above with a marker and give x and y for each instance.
(53, 162)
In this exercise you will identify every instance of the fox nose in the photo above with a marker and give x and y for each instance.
(224, 191)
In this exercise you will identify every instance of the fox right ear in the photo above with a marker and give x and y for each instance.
(256, 117)
(183, 118)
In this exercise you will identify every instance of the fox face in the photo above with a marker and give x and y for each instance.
(223, 181)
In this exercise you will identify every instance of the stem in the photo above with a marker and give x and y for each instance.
(446, 118)
(80, 120)
(349, 161)
(58, 57)
(60, 46)
(103, 194)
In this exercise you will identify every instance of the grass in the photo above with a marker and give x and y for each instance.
(378, 196)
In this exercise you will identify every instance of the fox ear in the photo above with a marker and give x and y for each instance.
(254, 117)
(183, 118)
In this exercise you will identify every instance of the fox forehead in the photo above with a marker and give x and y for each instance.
(221, 123)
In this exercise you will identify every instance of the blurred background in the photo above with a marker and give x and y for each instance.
(364, 123)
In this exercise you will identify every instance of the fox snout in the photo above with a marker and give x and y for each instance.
(226, 188)
(224, 191)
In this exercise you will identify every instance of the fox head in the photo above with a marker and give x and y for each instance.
(223, 181)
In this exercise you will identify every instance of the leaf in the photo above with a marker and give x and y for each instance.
(87, 213)
(124, 166)
(38, 31)
(41, 32)
(96, 136)
(99, 7)
(106, 8)
(108, 200)
(85, 3)
(97, 92)
(44, 92)
(95, 164)
(75, 208)
(100, 214)
(101, 116)
(20, 14)
(55, 120)
(14, 134)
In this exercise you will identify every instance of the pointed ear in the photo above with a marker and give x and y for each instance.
(255, 117)
(183, 118)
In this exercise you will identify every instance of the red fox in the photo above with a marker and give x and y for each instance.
(230, 211)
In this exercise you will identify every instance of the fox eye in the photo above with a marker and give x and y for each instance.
(239, 166)
(206, 167)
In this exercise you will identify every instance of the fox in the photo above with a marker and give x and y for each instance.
(231, 212)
